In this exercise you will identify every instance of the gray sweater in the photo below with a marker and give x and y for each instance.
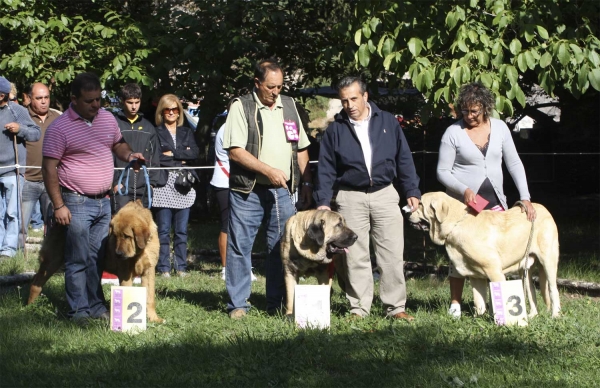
(461, 164)
(28, 131)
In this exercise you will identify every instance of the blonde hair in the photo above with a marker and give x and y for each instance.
(167, 101)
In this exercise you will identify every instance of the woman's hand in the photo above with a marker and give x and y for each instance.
(529, 209)
(469, 196)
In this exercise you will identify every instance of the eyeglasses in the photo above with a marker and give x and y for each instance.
(168, 110)
(13, 99)
(473, 112)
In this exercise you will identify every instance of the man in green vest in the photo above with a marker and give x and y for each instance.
(268, 159)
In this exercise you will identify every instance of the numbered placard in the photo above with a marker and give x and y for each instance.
(312, 306)
(128, 309)
(508, 303)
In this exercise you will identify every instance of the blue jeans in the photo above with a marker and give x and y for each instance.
(164, 218)
(247, 213)
(9, 211)
(32, 193)
(37, 221)
(84, 254)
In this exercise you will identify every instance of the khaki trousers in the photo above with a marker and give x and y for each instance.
(375, 215)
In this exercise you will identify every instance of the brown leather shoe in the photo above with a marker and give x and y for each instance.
(403, 315)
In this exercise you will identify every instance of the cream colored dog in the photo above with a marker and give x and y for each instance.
(491, 244)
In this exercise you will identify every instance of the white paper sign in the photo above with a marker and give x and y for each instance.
(508, 303)
(128, 309)
(312, 306)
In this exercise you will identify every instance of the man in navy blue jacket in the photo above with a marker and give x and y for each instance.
(362, 152)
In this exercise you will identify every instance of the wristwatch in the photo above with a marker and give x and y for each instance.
(307, 184)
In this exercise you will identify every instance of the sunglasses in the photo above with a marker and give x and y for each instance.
(168, 110)
(472, 112)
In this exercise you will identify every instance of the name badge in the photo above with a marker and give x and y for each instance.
(291, 130)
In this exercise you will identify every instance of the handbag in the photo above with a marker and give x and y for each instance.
(184, 181)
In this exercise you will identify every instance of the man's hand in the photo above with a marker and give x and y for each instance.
(277, 178)
(62, 216)
(413, 202)
(305, 197)
(139, 160)
(12, 127)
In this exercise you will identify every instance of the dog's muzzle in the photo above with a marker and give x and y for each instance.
(421, 225)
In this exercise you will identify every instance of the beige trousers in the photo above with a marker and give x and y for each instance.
(377, 216)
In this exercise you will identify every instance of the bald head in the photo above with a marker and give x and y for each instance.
(40, 99)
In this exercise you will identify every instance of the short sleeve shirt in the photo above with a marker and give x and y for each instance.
(84, 150)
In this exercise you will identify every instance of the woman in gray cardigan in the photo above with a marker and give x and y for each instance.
(470, 163)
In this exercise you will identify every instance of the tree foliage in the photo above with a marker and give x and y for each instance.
(506, 45)
(54, 40)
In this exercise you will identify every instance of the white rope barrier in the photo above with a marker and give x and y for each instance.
(316, 162)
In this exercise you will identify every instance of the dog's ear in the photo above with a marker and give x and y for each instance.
(316, 232)
(440, 210)
(141, 237)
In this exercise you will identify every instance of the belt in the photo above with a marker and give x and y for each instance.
(94, 196)
(265, 187)
(364, 189)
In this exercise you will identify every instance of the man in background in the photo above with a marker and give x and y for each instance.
(141, 136)
(34, 189)
(17, 128)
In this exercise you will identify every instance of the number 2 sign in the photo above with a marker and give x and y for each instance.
(508, 303)
(128, 309)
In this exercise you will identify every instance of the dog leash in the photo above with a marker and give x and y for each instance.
(525, 269)
(146, 178)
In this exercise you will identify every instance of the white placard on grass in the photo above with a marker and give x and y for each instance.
(312, 306)
(128, 309)
(508, 303)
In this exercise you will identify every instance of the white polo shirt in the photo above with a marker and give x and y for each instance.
(362, 131)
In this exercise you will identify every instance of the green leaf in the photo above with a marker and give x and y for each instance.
(371, 46)
(483, 58)
(451, 20)
(366, 31)
(414, 46)
(522, 62)
(472, 36)
(545, 60)
(388, 60)
(543, 32)
(485, 40)
(594, 78)
(582, 77)
(457, 76)
(529, 32)
(520, 95)
(486, 80)
(357, 36)
(374, 23)
(462, 45)
(563, 54)
(512, 74)
(438, 94)
(418, 81)
(428, 77)
(578, 54)
(387, 47)
(594, 58)
(531, 62)
(364, 55)
(515, 47)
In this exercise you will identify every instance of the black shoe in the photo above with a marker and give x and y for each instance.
(105, 316)
(81, 321)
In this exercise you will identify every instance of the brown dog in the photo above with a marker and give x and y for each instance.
(310, 241)
(132, 250)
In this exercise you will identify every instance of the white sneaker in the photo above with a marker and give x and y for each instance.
(454, 311)
(252, 277)
(223, 275)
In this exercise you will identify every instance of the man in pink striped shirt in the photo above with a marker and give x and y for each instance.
(78, 172)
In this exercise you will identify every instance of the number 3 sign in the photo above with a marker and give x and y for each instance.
(508, 303)
(128, 309)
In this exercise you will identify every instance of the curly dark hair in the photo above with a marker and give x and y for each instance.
(474, 94)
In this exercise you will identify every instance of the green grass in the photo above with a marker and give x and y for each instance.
(200, 346)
